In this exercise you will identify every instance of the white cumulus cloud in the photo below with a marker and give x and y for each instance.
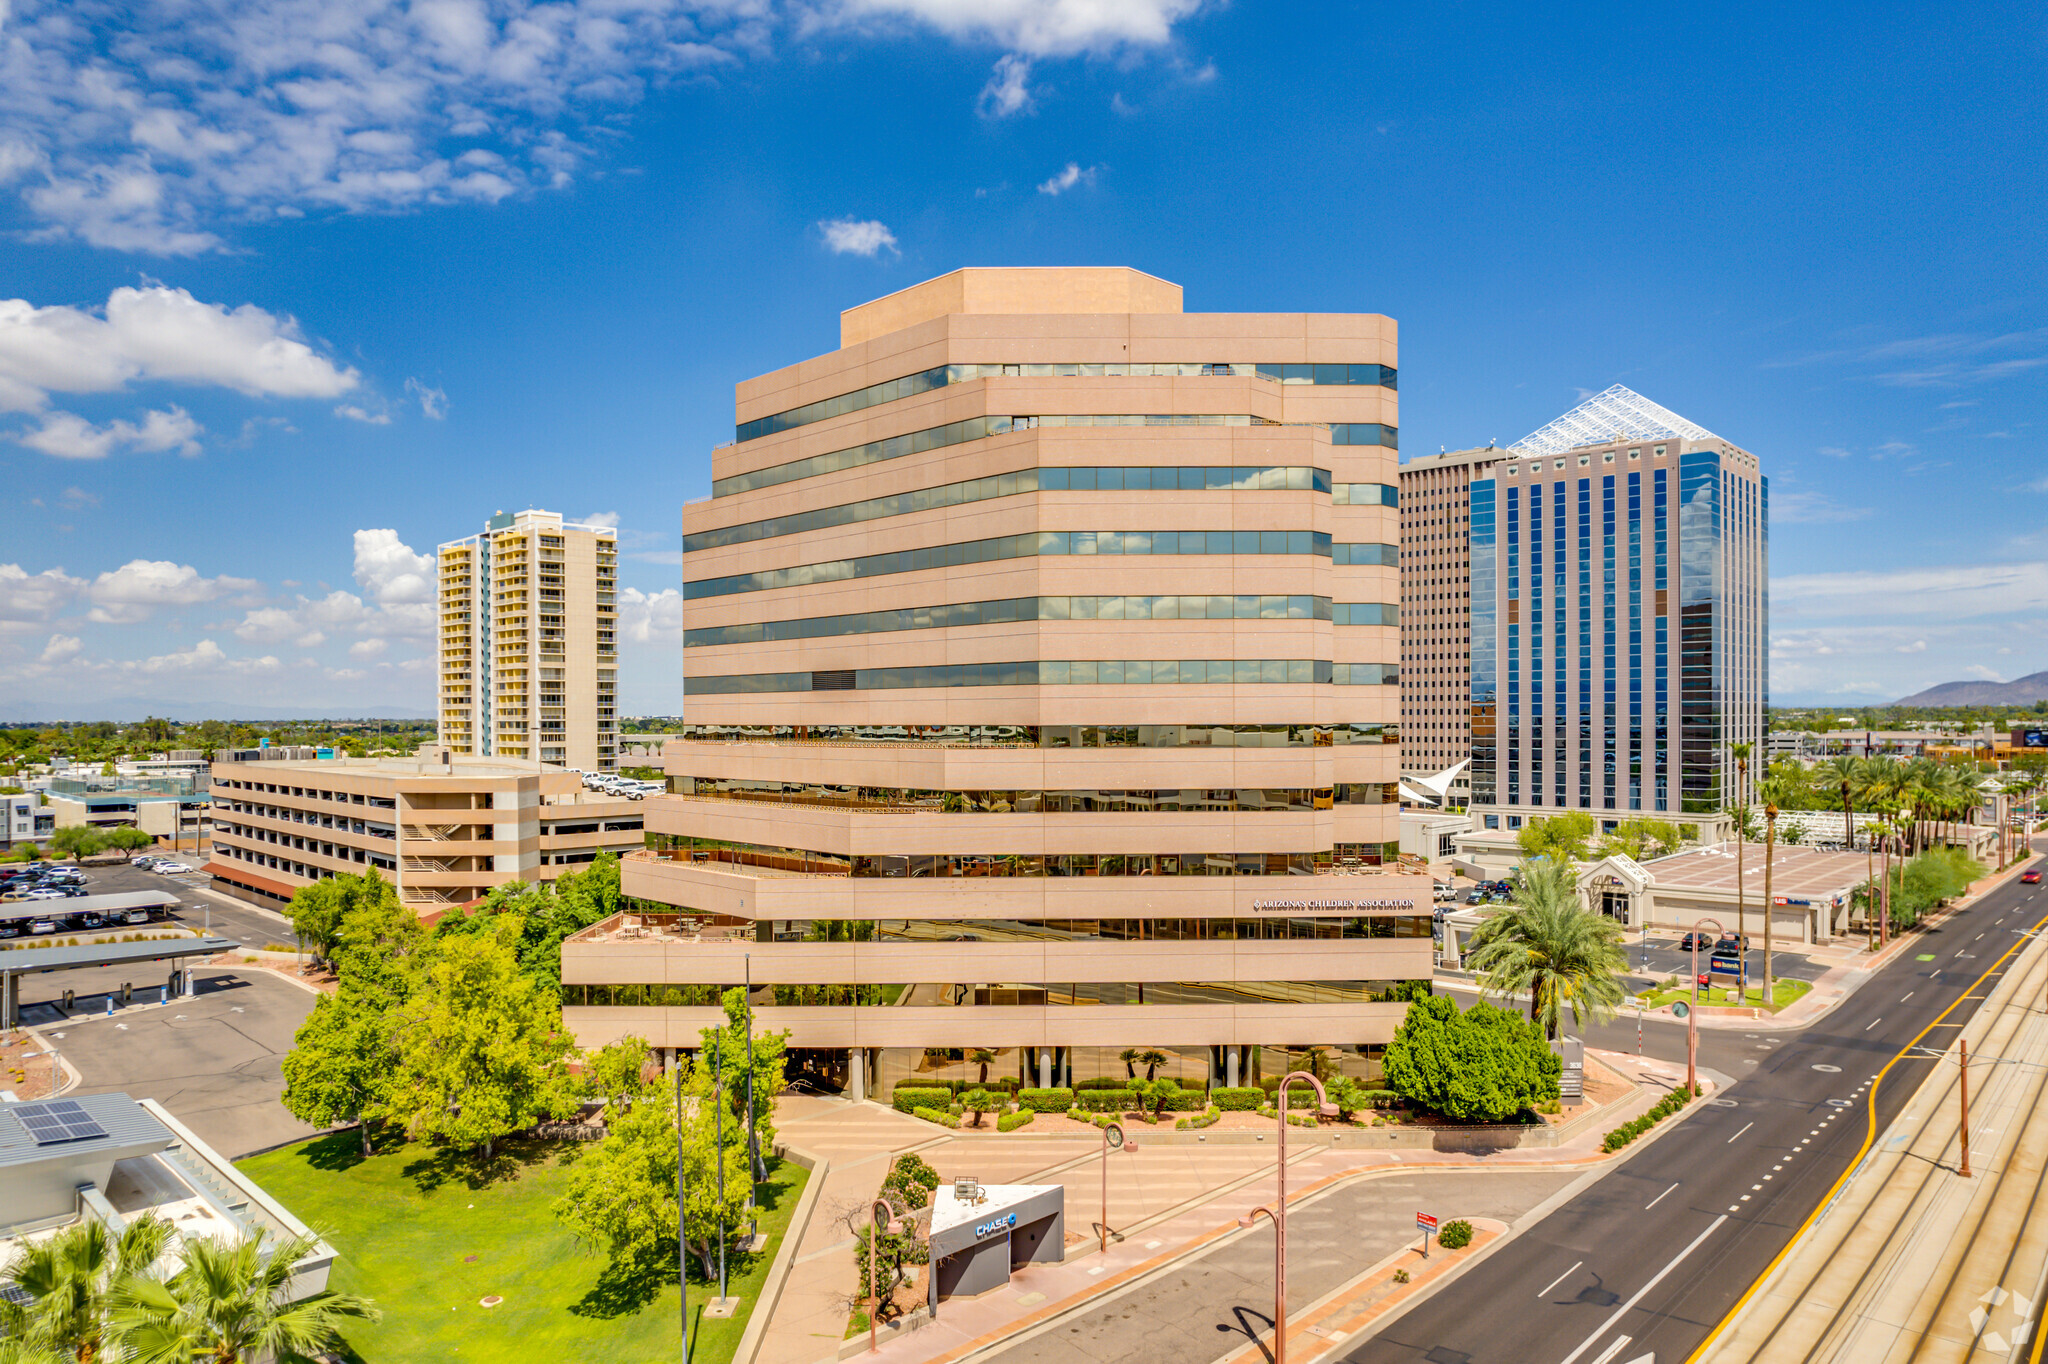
(68, 436)
(390, 572)
(135, 590)
(651, 618)
(28, 600)
(156, 334)
(60, 648)
(856, 237)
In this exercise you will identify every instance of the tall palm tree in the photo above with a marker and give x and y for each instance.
(1741, 752)
(62, 1283)
(230, 1304)
(1549, 945)
(1770, 790)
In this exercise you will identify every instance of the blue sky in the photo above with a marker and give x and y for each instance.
(292, 290)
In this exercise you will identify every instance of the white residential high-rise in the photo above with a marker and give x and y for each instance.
(529, 641)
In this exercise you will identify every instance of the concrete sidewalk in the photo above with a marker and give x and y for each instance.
(1910, 1260)
(1171, 1202)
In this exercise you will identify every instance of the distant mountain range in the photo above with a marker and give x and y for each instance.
(187, 712)
(2021, 691)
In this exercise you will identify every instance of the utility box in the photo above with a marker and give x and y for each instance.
(1571, 1080)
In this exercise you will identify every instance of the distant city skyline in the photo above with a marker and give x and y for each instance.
(258, 348)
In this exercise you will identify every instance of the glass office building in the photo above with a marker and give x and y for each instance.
(1618, 564)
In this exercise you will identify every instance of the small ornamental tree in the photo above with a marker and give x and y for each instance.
(1482, 1065)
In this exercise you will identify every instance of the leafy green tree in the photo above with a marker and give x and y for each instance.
(978, 1102)
(318, 911)
(76, 840)
(341, 1062)
(128, 838)
(231, 1302)
(479, 1046)
(61, 1282)
(617, 1073)
(621, 1196)
(1640, 838)
(728, 1045)
(377, 941)
(1563, 837)
(1547, 945)
(1482, 1065)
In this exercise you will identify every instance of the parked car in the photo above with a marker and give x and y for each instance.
(145, 860)
(1475, 897)
(45, 893)
(40, 926)
(1445, 893)
(1692, 940)
(171, 869)
(1728, 942)
(132, 916)
(2030, 878)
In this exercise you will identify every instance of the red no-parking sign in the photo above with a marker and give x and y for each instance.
(1426, 1221)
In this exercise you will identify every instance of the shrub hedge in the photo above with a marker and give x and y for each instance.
(1238, 1099)
(1206, 1118)
(1010, 1122)
(907, 1100)
(937, 1115)
(1455, 1235)
(1046, 1100)
(1635, 1127)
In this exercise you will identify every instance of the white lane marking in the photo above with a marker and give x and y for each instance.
(1745, 1127)
(1566, 1275)
(1908, 995)
(1872, 1023)
(1658, 1199)
(1643, 1292)
(1620, 1344)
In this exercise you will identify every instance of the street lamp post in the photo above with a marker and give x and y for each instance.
(886, 1223)
(682, 1244)
(1113, 1139)
(1692, 1016)
(1278, 1212)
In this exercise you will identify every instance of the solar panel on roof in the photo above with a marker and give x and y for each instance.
(56, 1120)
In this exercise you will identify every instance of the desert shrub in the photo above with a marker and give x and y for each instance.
(1010, 1122)
(937, 1115)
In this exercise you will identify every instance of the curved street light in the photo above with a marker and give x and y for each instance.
(887, 1222)
(1692, 1016)
(1113, 1139)
(1278, 1212)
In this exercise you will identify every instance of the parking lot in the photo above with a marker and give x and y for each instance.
(215, 1059)
(200, 907)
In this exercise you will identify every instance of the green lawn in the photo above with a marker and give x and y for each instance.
(1783, 992)
(424, 1234)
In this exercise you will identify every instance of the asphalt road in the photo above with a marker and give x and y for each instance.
(1655, 1253)
(215, 1059)
(1210, 1306)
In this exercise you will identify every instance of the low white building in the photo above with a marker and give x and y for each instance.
(1810, 890)
(109, 1158)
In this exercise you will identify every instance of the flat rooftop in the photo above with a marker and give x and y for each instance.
(1795, 871)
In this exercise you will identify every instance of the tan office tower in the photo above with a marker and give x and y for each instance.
(1436, 612)
(1040, 652)
(529, 642)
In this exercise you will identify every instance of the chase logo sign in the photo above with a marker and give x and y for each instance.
(990, 1228)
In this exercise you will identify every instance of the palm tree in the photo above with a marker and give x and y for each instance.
(1152, 1059)
(230, 1304)
(983, 1057)
(1129, 1056)
(1771, 789)
(1549, 945)
(1741, 752)
(63, 1283)
(1846, 773)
